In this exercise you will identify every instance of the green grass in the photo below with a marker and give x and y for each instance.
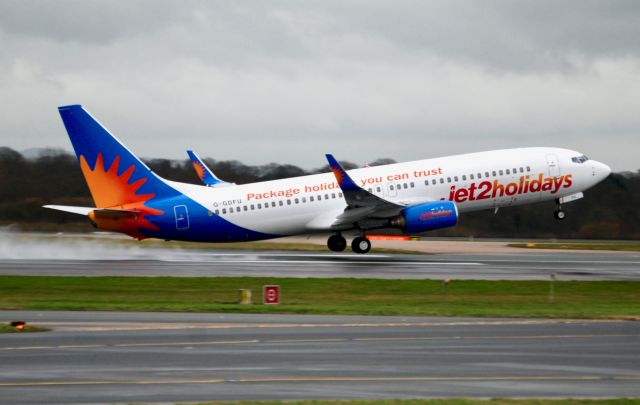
(572, 299)
(453, 401)
(630, 246)
(28, 328)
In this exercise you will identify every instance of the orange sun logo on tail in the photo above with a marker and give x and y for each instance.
(112, 191)
(338, 173)
(199, 169)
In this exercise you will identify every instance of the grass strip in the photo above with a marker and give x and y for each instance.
(562, 299)
(452, 401)
(26, 329)
(632, 247)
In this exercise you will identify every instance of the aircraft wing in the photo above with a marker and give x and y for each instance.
(204, 173)
(362, 206)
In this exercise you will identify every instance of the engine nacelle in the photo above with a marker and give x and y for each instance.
(426, 217)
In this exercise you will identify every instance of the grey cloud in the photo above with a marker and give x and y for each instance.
(288, 80)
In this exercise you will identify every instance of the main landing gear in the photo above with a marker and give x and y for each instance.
(558, 213)
(361, 245)
(337, 243)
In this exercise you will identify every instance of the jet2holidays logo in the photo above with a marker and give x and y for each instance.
(487, 189)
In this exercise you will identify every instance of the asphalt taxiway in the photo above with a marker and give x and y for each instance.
(94, 357)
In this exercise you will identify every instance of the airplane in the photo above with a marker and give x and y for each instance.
(415, 197)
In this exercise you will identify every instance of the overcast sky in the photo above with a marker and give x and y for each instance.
(288, 81)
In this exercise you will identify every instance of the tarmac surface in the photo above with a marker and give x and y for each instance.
(104, 357)
(102, 255)
(488, 266)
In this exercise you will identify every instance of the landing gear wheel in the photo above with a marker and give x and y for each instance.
(336, 243)
(559, 214)
(360, 245)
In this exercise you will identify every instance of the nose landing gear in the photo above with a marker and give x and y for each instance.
(559, 214)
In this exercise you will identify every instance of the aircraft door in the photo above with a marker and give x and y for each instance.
(182, 217)
(554, 168)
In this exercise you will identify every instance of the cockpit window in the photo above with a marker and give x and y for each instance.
(579, 159)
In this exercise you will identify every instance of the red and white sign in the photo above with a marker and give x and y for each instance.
(271, 294)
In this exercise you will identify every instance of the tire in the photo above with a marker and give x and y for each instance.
(360, 245)
(336, 243)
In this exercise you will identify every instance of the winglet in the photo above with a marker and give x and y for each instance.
(344, 181)
(204, 173)
(354, 195)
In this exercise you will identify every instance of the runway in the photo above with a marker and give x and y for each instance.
(196, 263)
(106, 255)
(94, 357)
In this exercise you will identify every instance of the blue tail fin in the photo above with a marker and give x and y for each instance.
(115, 176)
(204, 173)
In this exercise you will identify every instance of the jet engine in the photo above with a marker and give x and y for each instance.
(426, 217)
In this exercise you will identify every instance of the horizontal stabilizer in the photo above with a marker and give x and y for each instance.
(88, 210)
(71, 209)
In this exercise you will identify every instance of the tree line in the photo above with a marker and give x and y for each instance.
(610, 210)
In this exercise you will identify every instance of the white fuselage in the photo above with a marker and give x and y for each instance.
(474, 181)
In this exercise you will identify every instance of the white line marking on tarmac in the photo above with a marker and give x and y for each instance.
(320, 379)
(296, 262)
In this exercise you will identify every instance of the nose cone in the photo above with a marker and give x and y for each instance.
(600, 170)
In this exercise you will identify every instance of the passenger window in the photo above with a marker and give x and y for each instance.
(528, 168)
(224, 210)
(455, 178)
(304, 199)
(259, 206)
(369, 189)
(390, 186)
(515, 171)
(501, 172)
(521, 170)
(426, 182)
(333, 195)
(297, 201)
(326, 196)
(404, 185)
(412, 185)
(464, 177)
(470, 176)
(273, 203)
(288, 202)
(494, 173)
(441, 180)
(319, 197)
(253, 207)
(486, 174)
(339, 194)
(311, 198)
(479, 175)
(245, 208)
(378, 189)
(217, 212)
(433, 182)
(448, 179)
(281, 203)
(508, 171)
